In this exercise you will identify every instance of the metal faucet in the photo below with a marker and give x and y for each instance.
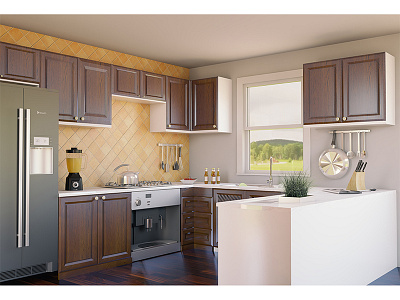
(269, 181)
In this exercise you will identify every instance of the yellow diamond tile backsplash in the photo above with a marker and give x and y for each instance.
(129, 140)
(39, 41)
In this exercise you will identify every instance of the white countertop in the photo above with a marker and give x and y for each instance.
(319, 196)
(174, 185)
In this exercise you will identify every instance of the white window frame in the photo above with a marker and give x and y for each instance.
(243, 130)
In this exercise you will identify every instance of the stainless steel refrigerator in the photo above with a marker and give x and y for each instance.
(28, 181)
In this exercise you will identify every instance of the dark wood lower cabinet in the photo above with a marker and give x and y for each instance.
(94, 233)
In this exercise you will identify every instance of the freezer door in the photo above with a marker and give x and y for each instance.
(11, 100)
(41, 214)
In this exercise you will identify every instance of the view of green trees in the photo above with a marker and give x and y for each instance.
(288, 155)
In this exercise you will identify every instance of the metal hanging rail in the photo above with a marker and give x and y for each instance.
(350, 131)
(169, 145)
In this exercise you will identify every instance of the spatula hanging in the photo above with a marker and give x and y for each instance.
(180, 158)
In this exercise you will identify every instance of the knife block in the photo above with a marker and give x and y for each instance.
(357, 182)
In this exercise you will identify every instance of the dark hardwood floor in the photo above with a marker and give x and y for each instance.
(190, 267)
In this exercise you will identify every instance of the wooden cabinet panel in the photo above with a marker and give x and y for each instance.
(202, 237)
(177, 103)
(364, 88)
(187, 220)
(77, 233)
(187, 236)
(187, 204)
(322, 92)
(114, 227)
(153, 86)
(202, 204)
(60, 72)
(204, 104)
(125, 81)
(94, 89)
(255, 194)
(19, 63)
(202, 220)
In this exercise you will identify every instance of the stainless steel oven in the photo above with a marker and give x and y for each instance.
(155, 223)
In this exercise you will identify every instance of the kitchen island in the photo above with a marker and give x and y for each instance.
(333, 239)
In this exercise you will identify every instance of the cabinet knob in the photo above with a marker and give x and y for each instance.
(96, 198)
(1, 75)
(83, 118)
(104, 197)
(169, 125)
(337, 118)
(76, 118)
(214, 126)
(344, 118)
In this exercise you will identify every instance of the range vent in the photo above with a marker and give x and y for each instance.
(23, 272)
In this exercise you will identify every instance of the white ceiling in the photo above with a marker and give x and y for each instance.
(199, 40)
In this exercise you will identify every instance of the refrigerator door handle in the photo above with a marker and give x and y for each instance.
(27, 172)
(20, 175)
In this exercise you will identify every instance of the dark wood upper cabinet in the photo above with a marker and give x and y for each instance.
(364, 88)
(152, 86)
(125, 81)
(204, 104)
(19, 63)
(347, 90)
(60, 72)
(94, 90)
(177, 103)
(322, 82)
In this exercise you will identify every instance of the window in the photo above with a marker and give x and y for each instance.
(270, 124)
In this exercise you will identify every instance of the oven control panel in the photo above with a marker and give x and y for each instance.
(155, 198)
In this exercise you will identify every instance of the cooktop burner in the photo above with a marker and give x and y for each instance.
(140, 184)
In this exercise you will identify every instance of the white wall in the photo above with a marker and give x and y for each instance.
(383, 146)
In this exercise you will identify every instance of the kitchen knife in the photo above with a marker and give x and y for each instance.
(358, 165)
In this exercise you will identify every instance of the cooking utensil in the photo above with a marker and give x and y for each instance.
(363, 153)
(127, 177)
(363, 169)
(358, 165)
(350, 154)
(176, 165)
(166, 162)
(162, 158)
(358, 144)
(180, 158)
(333, 163)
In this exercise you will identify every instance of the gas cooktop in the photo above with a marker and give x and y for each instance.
(140, 184)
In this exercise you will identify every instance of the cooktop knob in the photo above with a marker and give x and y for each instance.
(138, 202)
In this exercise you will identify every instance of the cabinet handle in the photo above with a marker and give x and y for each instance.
(337, 118)
(96, 198)
(214, 126)
(169, 125)
(83, 118)
(1, 76)
(104, 197)
(344, 118)
(76, 118)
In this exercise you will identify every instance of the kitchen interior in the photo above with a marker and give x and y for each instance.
(165, 161)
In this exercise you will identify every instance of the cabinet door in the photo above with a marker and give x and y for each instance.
(94, 91)
(77, 241)
(125, 81)
(177, 103)
(322, 92)
(364, 88)
(19, 63)
(153, 86)
(60, 72)
(114, 227)
(204, 104)
(222, 196)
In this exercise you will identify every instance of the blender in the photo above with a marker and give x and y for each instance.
(74, 166)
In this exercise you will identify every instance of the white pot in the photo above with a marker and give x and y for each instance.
(284, 199)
